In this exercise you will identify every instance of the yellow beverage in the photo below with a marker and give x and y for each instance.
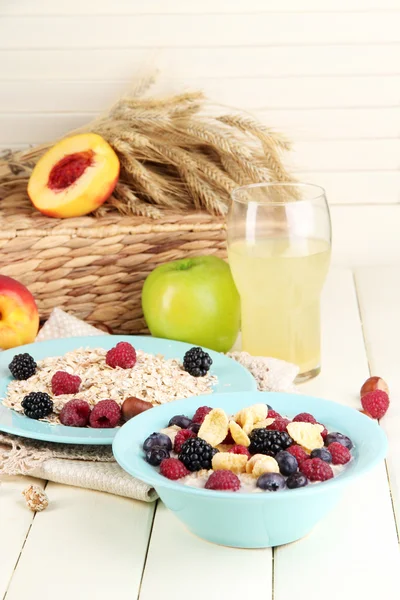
(280, 281)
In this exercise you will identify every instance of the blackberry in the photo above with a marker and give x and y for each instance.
(197, 362)
(22, 366)
(196, 454)
(268, 441)
(37, 405)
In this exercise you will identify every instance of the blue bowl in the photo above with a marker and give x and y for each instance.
(257, 520)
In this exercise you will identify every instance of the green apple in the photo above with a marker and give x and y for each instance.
(193, 300)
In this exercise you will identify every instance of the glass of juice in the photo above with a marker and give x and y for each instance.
(279, 246)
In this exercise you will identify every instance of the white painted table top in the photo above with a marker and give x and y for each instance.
(94, 545)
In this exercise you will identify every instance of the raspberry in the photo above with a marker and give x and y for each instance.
(122, 355)
(201, 414)
(238, 449)
(105, 414)
(316, 469)
(324, 432)
(173, 468)
(279, 424)
(272, 414)
(375, 403)
(298, 452)
(75, 413)
(229, 439)
(181, 437)
(64, 383)
(304, 418)
(223, 480)
(340, 454)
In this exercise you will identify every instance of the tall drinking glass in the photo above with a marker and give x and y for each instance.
(279, 246)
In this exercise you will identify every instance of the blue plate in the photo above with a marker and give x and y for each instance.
(231, 377)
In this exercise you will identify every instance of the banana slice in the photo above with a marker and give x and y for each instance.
(239, 436)
(229, 461)
(214, 428)
(307, 435)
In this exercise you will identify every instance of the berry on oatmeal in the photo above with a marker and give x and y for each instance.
(340, 454)
(195, 427)
(156, 455)
(75, 413)
(223, 480)
(324, 432)
(157, 439)
(197, 362)
(197, 454)
(272, 414)
(263, 441)
(201, 414)
(298, 452)
(181, 437)
(296, 480)
(122, 355)
(304, 418)
(65, 383)
(173, 468)
(375, 403)
(181, 421)
(105, 414)
(37, 405)
(22, 366)
(316, 469)
(323, 454)
(335, 436)
(279, 424)
(287, 462)
(271, 482)
(238, 449)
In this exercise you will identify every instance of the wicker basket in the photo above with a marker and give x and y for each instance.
(95, 267)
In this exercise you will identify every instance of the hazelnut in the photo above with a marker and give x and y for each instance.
(131, 407)
(372, 384)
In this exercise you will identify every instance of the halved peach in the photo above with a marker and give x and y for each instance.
(74, 177)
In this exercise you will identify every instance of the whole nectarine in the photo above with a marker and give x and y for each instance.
(74, 177)
(19, 317)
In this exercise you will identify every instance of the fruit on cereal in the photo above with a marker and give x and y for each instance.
(372, 384)
(316, 469)
(238, 435)
(180, 421)
(252, 461)
(75, 413)
(22, 366)
(324, 432)
(265, 423)
(173, 468)
(65, 383)
(201, 414)
(272, 414)
(123, 355)
(37, 405)
(335, 436)
(197, 454)
(19, 317)
(304, 418)
(296, 480)
(298, 452)
(193, 300)
(197, 362)
(214, 428)
(105, 414)
(264, 441)
(131, 407)
(258, 412)
(229, 461)
(181, 437)
(157, 439)
(266, 464)
(238, 449)
(74, 177)
(271, 482)
(195, 427)
(375, 403)
(224, 481)
(340, 454)
(323, 454)
(156, 455)
(307, 435)
(279, 424)
(287, 462)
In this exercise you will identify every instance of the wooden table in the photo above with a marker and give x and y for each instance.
(94, 545)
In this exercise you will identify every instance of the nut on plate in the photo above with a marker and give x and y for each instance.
(131, 407)
(36, 499)
(372, 384)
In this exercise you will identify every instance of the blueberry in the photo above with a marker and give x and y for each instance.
(287, 462)
(269, 407)
(296, 480)
(194, 427)
(322, 453)
(272, 482)
(156, 455)
(180, 421)
(157, 439)
(338, 437)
